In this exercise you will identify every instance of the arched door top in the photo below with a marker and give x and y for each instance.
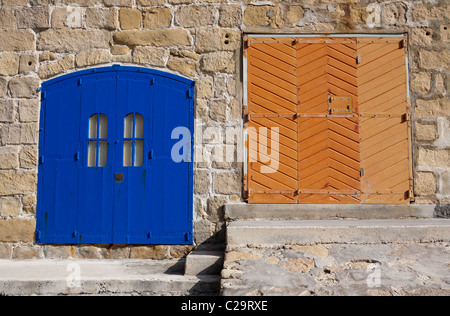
(118, 68)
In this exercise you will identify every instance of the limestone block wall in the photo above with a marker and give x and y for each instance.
(199, 39)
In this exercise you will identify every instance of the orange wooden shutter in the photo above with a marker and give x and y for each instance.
(329, 164)
(385, 122)
(341, 108)
(272, 103)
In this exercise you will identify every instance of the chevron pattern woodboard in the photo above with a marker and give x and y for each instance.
(341, 109)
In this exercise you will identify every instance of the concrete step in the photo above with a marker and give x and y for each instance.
(204, 263)
(244, 211)
(102, 277)
(279, 232)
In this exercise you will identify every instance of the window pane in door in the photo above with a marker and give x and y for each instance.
(139, 153)
(127, 153)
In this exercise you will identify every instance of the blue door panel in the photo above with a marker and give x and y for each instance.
(132, 196)
(98, 96)
(169, 177)
(149, 202)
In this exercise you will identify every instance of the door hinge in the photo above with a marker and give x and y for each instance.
(150, 154)
(190, 94)
(149, 235)
(43, 95)
(77, 156)
(41, 160)
(362, 172)
(187, 236)
(358, 60)
(153, 81)
(80, 82)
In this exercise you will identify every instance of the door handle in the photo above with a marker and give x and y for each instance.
(118, 177)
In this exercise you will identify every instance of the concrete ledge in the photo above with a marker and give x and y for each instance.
(100, 277)
(278, 233)
(204, 263)
(244, 211)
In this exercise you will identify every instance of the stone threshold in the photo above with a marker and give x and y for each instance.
(244, 211)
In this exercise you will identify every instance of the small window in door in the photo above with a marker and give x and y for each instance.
(133, 142)
(98, 141)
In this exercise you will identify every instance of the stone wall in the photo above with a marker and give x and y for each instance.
(199, 39)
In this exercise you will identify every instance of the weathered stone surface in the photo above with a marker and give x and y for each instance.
(151, 55)
(29, 133)
(315, 250)
(56, 67)
(12, 182)
(217, 39)
(263, 15)
(28, 157)
(58, 252)
(422, 36)
(294, 14)
(190, 16)
(24, 87)
(432, 108)
(435, 59)
(202, 181)
(17, 230)
(445, 184)
(25, 251)
(102, 18)
(17, 40)
(299, 265)
(185, 66)
(10, 206)
(157, 18)
(130, 18)
(218, 110)
(7, 19)
(46, 56)
(3, 87)
(28, 63)
(395, 13)
(434, 157)
(29, 110)
(239, 255)
(425, 183)
(9, 64)
(149, 3)
(421, 83)
(426, 131)
(119, 3)
(92, 58)
(204, 88)
(120, 50)
(7, 110)
(227, 183)
(219, 62)
(160, 38)
(9, 157)
(73, 40)
(230, 15)
(5, 251)
(428, 12)
(149, 252)
(349, 270)
(33, 17)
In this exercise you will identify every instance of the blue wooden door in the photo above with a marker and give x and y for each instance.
(106, 175)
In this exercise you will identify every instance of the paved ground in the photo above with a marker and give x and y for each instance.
(339, 269)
